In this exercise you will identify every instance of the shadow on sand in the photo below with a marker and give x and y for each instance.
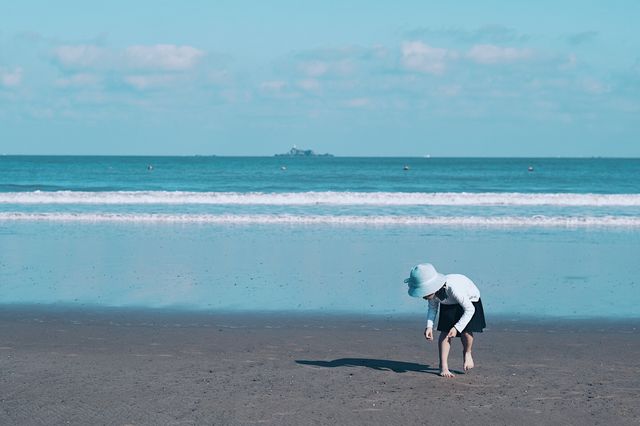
(376, 364)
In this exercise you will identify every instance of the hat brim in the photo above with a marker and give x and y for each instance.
(425, 289)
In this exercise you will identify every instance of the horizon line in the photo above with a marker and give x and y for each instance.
(429, 157)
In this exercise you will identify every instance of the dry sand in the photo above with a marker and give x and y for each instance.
(124, 367)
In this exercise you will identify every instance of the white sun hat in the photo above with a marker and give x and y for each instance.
(424, 280)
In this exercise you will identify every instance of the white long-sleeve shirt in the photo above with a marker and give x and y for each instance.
(460, 290)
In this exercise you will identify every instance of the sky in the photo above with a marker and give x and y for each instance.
(353, 78)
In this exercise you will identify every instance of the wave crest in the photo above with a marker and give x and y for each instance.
(327, 198)
(480, 221)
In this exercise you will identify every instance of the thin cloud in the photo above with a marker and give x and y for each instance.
(163, 56)
(492, 54)
(159, 57)
(314, 68)
(79, 80)
(337, 62)
(594, 86)
(82, 56)
(144, 82)
(336, 54)
(450, 90)
(419, 56)
(318, 68)
(570, 63)
(273, 86)
(309, 84)
(358, 102)
(11, 77)
(278, 89)
(141, 67)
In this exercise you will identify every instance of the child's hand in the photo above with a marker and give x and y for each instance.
(452, 333)
(428, 333)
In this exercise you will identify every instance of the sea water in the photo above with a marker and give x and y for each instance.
(332, 235)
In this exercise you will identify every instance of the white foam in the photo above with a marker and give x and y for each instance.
(488, 221)
(328, 198)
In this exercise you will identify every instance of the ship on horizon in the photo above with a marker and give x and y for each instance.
(296, 152)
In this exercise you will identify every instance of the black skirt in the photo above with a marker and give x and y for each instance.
(451, 314)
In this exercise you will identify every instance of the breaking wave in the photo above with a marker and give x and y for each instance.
(327, 198)
(479, 221)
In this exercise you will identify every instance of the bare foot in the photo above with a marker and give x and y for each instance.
(446, 373)
(468, 361)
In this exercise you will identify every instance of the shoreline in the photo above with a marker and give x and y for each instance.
(498, 321)
(133, 366)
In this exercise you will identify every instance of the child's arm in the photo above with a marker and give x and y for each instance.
(432, 311)
(431, 316)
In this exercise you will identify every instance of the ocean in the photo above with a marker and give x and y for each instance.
(541, 237)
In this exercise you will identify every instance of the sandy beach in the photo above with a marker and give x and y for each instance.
(131, 367)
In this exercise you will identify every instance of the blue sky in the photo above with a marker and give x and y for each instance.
(491, 78)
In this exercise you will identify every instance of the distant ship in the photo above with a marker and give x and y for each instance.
(295, 152)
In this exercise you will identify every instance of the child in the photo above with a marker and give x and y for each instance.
(461, 310)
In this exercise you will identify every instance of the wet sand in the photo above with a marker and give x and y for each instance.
(126, 367)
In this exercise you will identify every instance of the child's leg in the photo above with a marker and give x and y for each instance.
(444, 344)
(467, 344)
